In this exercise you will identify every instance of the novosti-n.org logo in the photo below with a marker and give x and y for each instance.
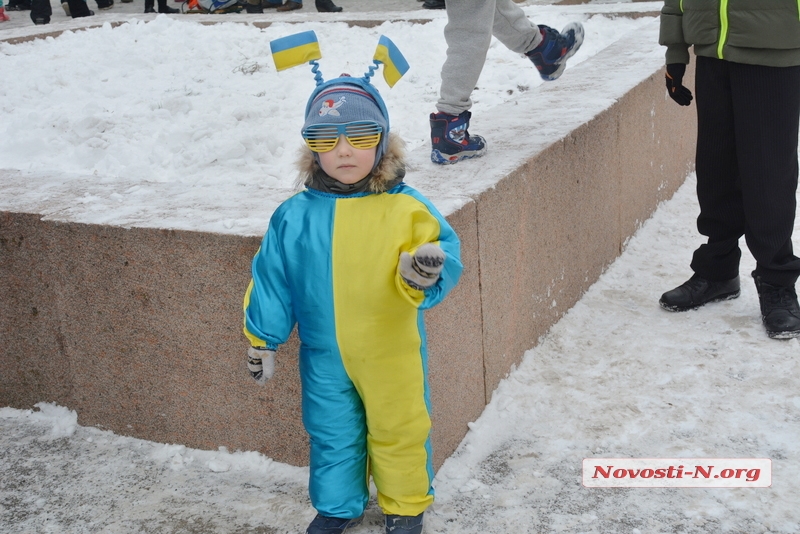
(677, 472)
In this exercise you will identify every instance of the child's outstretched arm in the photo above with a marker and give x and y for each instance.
(427, 272)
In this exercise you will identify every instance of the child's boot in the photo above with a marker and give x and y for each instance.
(332, 525)
(3, 16)
(403, 524)
(551, 54)
(450, 140)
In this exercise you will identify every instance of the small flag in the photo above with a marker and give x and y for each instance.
(294, 50)
(394, 64)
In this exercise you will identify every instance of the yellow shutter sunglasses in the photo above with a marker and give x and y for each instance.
(360, 134)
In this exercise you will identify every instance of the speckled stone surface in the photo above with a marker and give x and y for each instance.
(549, 229)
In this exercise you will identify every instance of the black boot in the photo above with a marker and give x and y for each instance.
(434, 4)
(164, 8)
(78, 9)
(327, 6)
(780, 312)
(41, 11)
(697, 291)
(18, 5)
(149, 6)
(253, 6)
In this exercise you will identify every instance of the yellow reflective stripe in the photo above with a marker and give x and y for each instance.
(254, 341)
(723, 31)
(682, 5)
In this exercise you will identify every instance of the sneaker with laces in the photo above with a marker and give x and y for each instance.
(551, 54)
(403, 524)
(332, 525)
(450, 140)
(780, 311)
(698, 291)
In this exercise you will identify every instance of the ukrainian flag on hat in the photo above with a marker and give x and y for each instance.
(294, 50)
(394, 64)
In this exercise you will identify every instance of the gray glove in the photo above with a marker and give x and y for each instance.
(261, 364)
(422, 270)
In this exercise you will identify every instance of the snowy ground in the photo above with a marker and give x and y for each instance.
(616, 377)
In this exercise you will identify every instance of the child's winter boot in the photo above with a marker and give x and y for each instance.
(332, 525)
(402, 524)
(450, 140)
(3, 16)
(551, 54)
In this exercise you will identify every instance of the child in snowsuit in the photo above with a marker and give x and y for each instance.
(353, 260)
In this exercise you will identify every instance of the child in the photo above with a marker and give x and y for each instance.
(353, 260)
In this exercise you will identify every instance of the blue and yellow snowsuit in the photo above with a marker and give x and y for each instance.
(330, 264)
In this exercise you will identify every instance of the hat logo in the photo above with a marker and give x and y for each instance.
(329, 107)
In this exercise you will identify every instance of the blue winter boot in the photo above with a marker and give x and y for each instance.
(332, 525)
(450, 140)
(403, 524)
(551, 55)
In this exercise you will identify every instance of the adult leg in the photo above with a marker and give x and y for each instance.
(78, 8)
(766, 103)
(41, 11)
(719, 188)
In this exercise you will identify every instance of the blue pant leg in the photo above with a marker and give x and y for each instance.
(334, 418)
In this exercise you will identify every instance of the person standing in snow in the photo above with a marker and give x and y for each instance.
(747, 86)
(258, 6)
(353, 260)
(469, 30)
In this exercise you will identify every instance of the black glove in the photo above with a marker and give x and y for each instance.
(677, 92)
(261, 364)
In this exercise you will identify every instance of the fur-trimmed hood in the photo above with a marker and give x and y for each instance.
(389, 172)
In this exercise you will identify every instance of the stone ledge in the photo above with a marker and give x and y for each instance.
(139, 329)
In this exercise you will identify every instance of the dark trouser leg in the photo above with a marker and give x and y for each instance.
(41, 11)
(747, 168)
(719, 189)
(767, 115)
(78, 8)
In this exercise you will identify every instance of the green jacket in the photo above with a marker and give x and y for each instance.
(756, 32)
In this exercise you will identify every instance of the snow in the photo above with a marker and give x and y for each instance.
(207, 140)
(615, 377)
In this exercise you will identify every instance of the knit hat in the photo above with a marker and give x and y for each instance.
(347, 99)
